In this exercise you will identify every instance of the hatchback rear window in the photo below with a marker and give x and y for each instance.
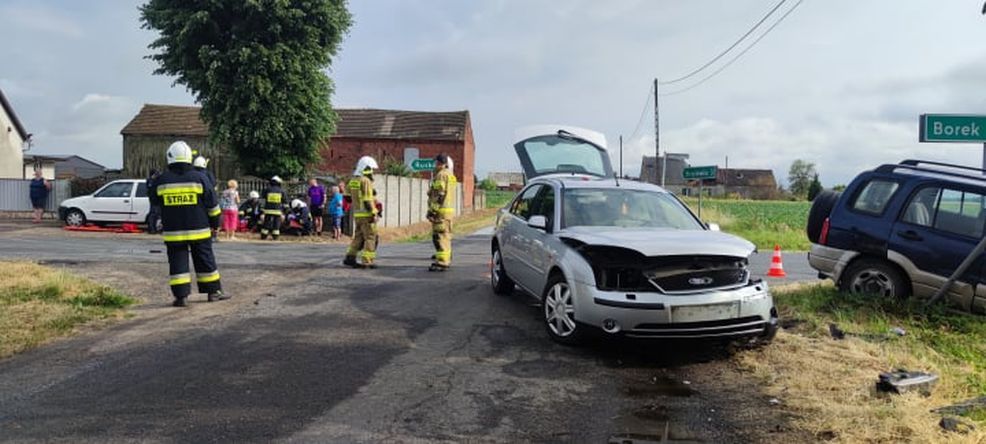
(875, 196)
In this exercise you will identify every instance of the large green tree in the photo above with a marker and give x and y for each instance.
(799, 177)
(258, 69)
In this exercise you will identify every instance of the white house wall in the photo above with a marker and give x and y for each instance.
(11, 145)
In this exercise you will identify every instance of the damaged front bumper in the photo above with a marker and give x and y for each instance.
(741, 312)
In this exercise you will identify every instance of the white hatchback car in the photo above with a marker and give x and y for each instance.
(118, 201)
(617, 255)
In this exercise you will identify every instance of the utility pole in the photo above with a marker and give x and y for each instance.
(621, 155)
(657, 134)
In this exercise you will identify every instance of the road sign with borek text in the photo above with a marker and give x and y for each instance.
(955, 128)
(423, 164)
(700, 173)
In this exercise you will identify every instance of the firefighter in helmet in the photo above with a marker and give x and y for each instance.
(441, 209)
(188, 207)
(274, 200)
(364, 210)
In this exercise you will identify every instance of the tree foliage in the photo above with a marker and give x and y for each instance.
(814, 188)
(257, 67)
(487, 184)
(799, 177)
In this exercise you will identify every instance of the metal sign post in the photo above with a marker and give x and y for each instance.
(700, 193)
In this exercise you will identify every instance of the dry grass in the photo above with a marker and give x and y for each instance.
(38, 304)
(829, 384)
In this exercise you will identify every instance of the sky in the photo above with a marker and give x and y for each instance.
(840, 83)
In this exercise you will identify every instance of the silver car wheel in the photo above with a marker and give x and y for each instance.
(559, 312)
(497, 268)
(872, 281)
(75, 218)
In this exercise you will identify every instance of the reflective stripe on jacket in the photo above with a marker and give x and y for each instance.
(361, 192)
(187, 204)
(441, 196)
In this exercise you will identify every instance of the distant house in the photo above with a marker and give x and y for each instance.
(66, 166)
(652, 172)
(38, 162)
(745, 183)
(507, 181)
(387, 135)
(12, 140)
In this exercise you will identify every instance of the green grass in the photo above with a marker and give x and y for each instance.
(951, 339)
(763, 222)
(497, 198)
(39, 303)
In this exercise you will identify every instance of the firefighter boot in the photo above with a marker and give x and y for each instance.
(350, 261)
(179, 302)
(218, 296)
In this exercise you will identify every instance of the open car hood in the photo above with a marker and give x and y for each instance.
(662, 242)
(560, 149)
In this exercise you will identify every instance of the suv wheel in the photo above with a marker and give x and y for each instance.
(821, 208)
(559, 312)
(871, 276)
(75, 218)
(498, 275)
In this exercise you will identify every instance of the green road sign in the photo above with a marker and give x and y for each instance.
(959, 128)
(423, 164)
(698, 173)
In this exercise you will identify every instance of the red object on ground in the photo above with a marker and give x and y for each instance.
(125, 228)
(776, 265)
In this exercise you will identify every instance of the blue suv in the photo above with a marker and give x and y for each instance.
(902, 229)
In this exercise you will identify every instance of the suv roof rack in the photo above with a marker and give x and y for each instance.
(914, 165)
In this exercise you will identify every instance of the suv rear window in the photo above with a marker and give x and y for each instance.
(875, 196)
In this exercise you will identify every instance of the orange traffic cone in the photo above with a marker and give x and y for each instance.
(776, 266)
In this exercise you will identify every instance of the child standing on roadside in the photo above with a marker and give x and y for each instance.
(230, 204)
(336, 212)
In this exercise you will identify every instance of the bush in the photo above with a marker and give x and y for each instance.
(487, 185)
(82, 187)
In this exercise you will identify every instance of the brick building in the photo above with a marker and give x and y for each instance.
(386, 134)
(383, 134)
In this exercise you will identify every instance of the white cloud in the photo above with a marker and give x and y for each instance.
(38, 18)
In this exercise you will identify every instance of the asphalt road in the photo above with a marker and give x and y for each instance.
(309, 351)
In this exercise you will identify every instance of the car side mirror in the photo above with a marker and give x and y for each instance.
(539, 222)
(713, 226)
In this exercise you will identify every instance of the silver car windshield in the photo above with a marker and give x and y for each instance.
(615, 207)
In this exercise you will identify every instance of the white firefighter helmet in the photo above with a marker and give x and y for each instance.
(449, 164)
(200, 162)
(297, 203)
(364, 163)
(179, 152)
(276, 179)
(254, 195)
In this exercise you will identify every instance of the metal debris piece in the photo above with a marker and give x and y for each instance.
(902, 381)
(963, 407)
(956, 425)
(775, 401)
(898, 331)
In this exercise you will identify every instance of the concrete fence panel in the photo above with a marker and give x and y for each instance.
(392, 216)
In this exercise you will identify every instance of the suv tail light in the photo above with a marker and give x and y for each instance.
(824, 236)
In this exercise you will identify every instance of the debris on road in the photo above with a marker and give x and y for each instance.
(836, 332)
(902, 381)
(955, 425)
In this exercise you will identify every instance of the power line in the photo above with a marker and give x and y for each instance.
(737, 57)
(643, 112)
(730, 48)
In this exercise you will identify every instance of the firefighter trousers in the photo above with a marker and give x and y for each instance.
(441, 236)
(272, 225)
(365, 240)
(204, 261)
